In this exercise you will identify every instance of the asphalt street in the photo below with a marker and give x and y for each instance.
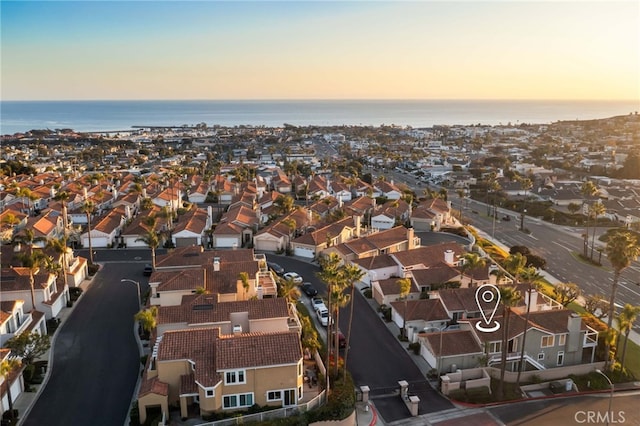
(96, 358)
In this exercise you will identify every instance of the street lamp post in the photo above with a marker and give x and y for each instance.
(137, 288)
(609, 414)
(522, 215)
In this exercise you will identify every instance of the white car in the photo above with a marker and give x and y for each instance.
(323, 316)
(318, 303)
(293, 276)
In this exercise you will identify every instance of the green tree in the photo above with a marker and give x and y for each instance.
(352, 274)
(289, 290)
(59, 246)
(34, 261)
(588, 189)
(284, 204)
(148, 318)
(471, 262)
(509, 297)
(29, 346)
(150, 238)
(622, 249)
(7, 366)
(88, 208)
(340, 299)
(244, 279)
(330, 274)
(625, 320)
(573, 208)
(596, 209)
(63, 197)
(515, 264)
(532, 278)
(404, 288)
(566, 293)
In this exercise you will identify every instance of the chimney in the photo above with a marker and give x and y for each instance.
(144, 192)
(356, 223)
(534, 299)
(216, 264)
(574, 323)
(84, 193)
(448, 257)
(210, 214)
(410, 237)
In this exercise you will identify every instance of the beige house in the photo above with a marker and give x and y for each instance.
(222, 372)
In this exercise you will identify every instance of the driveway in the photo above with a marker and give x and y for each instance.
(96, 360)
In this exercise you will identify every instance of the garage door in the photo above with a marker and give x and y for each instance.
(226, 242)
(266, 245)
(95, 242)
(186, 242)
(304, 252)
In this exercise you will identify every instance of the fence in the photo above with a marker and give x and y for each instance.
(278, 413)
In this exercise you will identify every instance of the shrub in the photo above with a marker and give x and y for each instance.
(75, 293)
(415, 347)
(367, 293)
(134, 415)
(92, 269)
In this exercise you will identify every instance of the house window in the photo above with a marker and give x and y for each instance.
(562, 339)
(193, 365)
(274, 395)
(547, 341)
(210, 393)
(234, 377)
(541, 356)
(300, 395)
(560, 358)
(236, 401)
(494, 347)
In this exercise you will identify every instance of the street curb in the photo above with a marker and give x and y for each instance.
(136, 389)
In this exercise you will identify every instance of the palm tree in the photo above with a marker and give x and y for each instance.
(244, 278)
(596, 210)
(6, 368)
(404, 286)
(88, 208)
(289, 290)
(514, 264)
(33, 261)
(59, 246)
(588, 189)
(625, 319)
(340, 300)
(63, 197)
(622, 249)
(150, 238)
(472, 261)
(509, 297)
(330, 274)
(352, 274)
(148, 318)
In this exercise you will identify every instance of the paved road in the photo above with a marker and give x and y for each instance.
(376, 358)
(96, 358)
(558, 245)
(572, 411)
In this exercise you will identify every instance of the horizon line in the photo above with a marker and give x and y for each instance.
(333, 100)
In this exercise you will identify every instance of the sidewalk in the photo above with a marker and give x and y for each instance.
(25, 401)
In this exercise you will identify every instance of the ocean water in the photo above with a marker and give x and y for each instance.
(86, 116)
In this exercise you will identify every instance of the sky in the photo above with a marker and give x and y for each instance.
(59, 50)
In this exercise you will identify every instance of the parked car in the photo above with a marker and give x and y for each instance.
(342, 341)
(506, 218)
(323, 317)
(276, 268)
(148, 270)
(293, 276)
(308, 289)
(318, 303)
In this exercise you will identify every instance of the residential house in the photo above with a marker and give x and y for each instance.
(50, 296)
(432, 215)
(389, 241)
(199, 190)
(418, 315)
(11, 222)
(247, 316)
(14, 321)
(387, 189)
(222, 372)
(192, 228)
(312, 243)
(106, 230)
(13, 380)
(386, 216)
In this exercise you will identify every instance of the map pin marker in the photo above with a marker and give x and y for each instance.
(488, 297)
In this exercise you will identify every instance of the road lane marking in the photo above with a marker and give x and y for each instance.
(564, 247)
